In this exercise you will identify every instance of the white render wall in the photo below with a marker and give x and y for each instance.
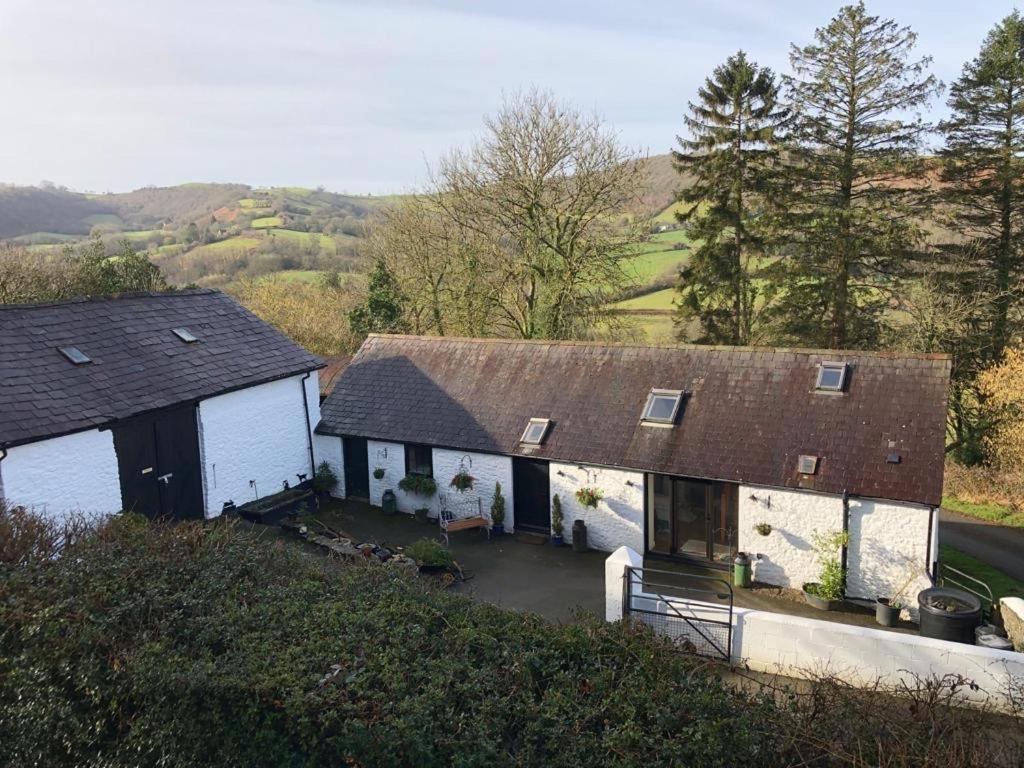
(258, 433)
(861, 656)
(618, 519)
(486, 470)
(391, 458)
(331, 449)
(73, 473)
(889, 541)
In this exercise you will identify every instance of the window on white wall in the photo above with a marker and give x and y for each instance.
(419, 460)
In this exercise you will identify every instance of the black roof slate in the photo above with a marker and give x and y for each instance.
(137, 365)
(747, 416)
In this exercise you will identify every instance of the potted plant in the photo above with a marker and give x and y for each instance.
(589, 497)
(378, 473)
(430, 555)
(557, 522)
(324, 479)
(418, 485)
(827, 593)
(462, 481)
(887, 609)
(498, 511)
(763, 529)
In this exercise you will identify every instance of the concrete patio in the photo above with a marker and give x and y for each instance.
(524, 572)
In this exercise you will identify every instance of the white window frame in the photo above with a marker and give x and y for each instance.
(546, 423)
(843, 369)
(662, 393)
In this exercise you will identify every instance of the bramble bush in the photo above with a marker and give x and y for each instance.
(207, 645)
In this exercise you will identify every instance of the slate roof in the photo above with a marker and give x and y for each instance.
(747, 416)
(330, 372)
(137, 365)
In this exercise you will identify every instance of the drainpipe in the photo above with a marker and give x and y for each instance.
(3, 455)
(309, 429)
(846, 530)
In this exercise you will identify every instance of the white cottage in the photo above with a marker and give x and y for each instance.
(697, 452)
(171, 404)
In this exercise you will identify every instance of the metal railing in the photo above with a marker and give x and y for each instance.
(950, 576)
(698, 617)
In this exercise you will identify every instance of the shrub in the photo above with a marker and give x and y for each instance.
(419, 485)
(430, 552)
(831, 584)
(324, 480)
(498, 506)
(204, 645)
(557, 518)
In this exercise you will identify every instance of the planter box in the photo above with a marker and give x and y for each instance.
(271, 510)
(820, 602)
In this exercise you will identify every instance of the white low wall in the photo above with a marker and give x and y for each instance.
(258, 433)
(74, 473)
(618, 519)
(799, 647)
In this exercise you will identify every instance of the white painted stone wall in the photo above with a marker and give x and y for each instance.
(618, 519)
(258, 433)
(331, 449)
(889, 541)
(800, 647)
(391, 458)
(786, 554)
(888, 550)
(71, 474)
(486, 469)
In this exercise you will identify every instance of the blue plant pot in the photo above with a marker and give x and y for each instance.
(497, 529)
(557, 541)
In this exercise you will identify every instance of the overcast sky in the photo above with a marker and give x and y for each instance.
(112, 95)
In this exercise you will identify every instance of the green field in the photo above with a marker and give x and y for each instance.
(327, 243)
(104, 220)
(44, 238)
(648, 267)
(996, 513)
(254, 202)
(267, 222)
(140, 235)
(295, 275)
(658, 300)
(239, 243)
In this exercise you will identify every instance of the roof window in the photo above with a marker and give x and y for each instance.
(662, 406)
(75, 355)
(535, 431)
(185, 335)
(831, 377)
(807, 465)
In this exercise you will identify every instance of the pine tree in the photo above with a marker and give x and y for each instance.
(854, 191)
(733, 129)
(383, 311)
(984, 166)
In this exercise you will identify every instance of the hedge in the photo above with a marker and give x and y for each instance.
(196, 645)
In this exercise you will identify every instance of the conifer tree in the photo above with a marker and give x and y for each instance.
(383, 311)
(730, 152)
(855, 192)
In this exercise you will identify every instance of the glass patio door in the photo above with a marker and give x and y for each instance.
(692, 518)
(690, 513)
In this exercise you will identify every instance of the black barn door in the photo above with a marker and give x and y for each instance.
(357, 468)
(531, 495)
(158, 463)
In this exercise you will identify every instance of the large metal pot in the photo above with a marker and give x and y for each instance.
(949, 614)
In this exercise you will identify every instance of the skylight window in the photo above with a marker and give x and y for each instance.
(831, 377)
(662, 406)
(535, 432)
(75, 355)
(185, 335)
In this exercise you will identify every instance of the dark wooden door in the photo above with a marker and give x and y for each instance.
(158, 464)
(357, 468)
(531, 495)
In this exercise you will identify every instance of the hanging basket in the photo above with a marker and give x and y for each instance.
(589, 497)
(462, 482)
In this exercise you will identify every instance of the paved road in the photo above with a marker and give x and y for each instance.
(999, 546)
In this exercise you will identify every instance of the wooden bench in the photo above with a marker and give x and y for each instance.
(451, 521)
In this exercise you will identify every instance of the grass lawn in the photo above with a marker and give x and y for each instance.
(647, 267)
(266, 222)
(1000, 583)
(240, 243)
(671, 237)
(996, 513)
(658, 300)
(327, 243)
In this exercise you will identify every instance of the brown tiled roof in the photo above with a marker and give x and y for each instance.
(748, 413)
(137, 365)
(330, 372)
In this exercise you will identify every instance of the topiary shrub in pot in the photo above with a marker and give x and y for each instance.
(557, 522)
(430, 555)
(498, 511)
(324, 479)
